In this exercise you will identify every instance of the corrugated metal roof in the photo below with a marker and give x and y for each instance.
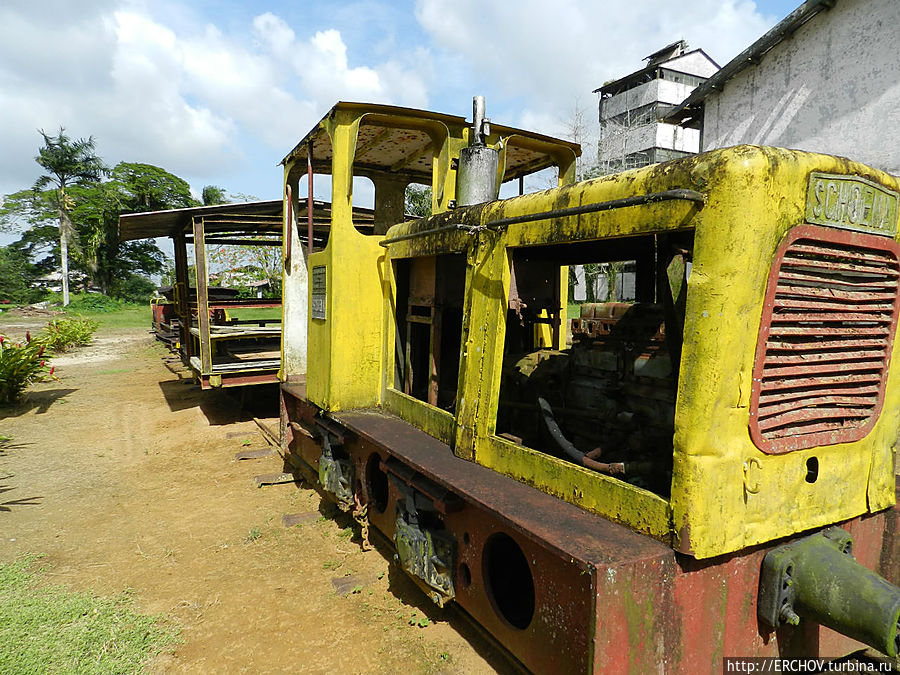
(646, 74)
(235, 219)
(168, 223)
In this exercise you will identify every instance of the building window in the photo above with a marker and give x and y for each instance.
(681, 78)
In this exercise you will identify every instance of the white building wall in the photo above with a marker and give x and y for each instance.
(664, 91)
(677, 138)
(694, 63)
(833, 87)
(620, 140)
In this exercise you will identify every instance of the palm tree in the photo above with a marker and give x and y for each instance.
(67, 162)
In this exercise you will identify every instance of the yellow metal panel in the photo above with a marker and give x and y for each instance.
(619, 501)
(433, 421)
(344, 369)
(726, 493)
(754, 196)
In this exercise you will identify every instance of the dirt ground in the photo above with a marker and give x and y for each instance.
(123, 475)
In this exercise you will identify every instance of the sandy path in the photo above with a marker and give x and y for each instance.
(123, 475)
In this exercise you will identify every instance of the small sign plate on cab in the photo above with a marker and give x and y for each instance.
(317, 304)
(852, 203)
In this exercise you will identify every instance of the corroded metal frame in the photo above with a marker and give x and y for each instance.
(817, 233)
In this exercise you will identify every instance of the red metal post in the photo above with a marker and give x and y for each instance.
(309, 200)
(289, 224)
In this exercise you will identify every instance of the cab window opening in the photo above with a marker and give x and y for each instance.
(428, 327)
(606, 400)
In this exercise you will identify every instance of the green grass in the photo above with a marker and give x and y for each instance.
(109, 314)
(47, 629)
(255, 313)
(129, 316)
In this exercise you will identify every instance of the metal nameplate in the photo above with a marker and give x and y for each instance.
(319, 295)
(852, 203)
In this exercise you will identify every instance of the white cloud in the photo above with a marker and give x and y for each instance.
(220, 99)
(179, 93)
(549, 54)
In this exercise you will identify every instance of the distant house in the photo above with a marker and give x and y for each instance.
(78, 281)
(824, 79)
(631, 133)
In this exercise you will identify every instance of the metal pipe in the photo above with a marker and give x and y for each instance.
(817, 579)
(668, 195)
(563, 443)
(425, 233)
(587, 460)
(477, 121)
(309, 198)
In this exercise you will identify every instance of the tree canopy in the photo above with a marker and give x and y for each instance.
(73, 210)
(67, 162)
(418, 200)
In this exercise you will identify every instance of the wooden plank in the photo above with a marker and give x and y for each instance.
(306, 518)
(246, 366)
(253, 454)
(182, 308)
(353, 583)
(270, 435)
(202, 296)
(275, 479)
(247, 355)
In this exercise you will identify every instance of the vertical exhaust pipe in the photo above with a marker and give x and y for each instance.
(476, 178)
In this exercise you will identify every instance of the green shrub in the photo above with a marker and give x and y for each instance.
(21, 364)
(135, 288)
(72, 331)
(94, 302)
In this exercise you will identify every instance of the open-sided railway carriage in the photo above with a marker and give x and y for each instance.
(705, 472)
(206, 325)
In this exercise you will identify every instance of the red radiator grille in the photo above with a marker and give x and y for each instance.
(825, 340)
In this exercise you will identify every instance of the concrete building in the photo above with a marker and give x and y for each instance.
(631, 134)
(825, 79)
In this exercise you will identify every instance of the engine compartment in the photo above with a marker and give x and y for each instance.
(607, 400)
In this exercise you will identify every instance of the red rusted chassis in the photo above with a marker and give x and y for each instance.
(239, 379)
(575, 593)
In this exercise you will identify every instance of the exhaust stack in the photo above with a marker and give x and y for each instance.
(476, 177)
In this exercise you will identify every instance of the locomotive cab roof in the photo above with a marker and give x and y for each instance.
(401, 141)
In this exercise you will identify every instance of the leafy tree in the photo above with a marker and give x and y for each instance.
(134, 288)
(16, 274)
(418, 200)
(144, 187)
(34, 214)
(67, 162)
(132, 188)
(72, 214)
(212, 195)
(236, 262)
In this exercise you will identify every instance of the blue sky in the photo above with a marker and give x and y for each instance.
(218, 91)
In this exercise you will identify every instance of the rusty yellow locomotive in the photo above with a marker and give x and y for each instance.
(702, 469)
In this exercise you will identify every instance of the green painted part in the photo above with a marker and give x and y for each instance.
(428, 555)
(336, 477)
(818, 578)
